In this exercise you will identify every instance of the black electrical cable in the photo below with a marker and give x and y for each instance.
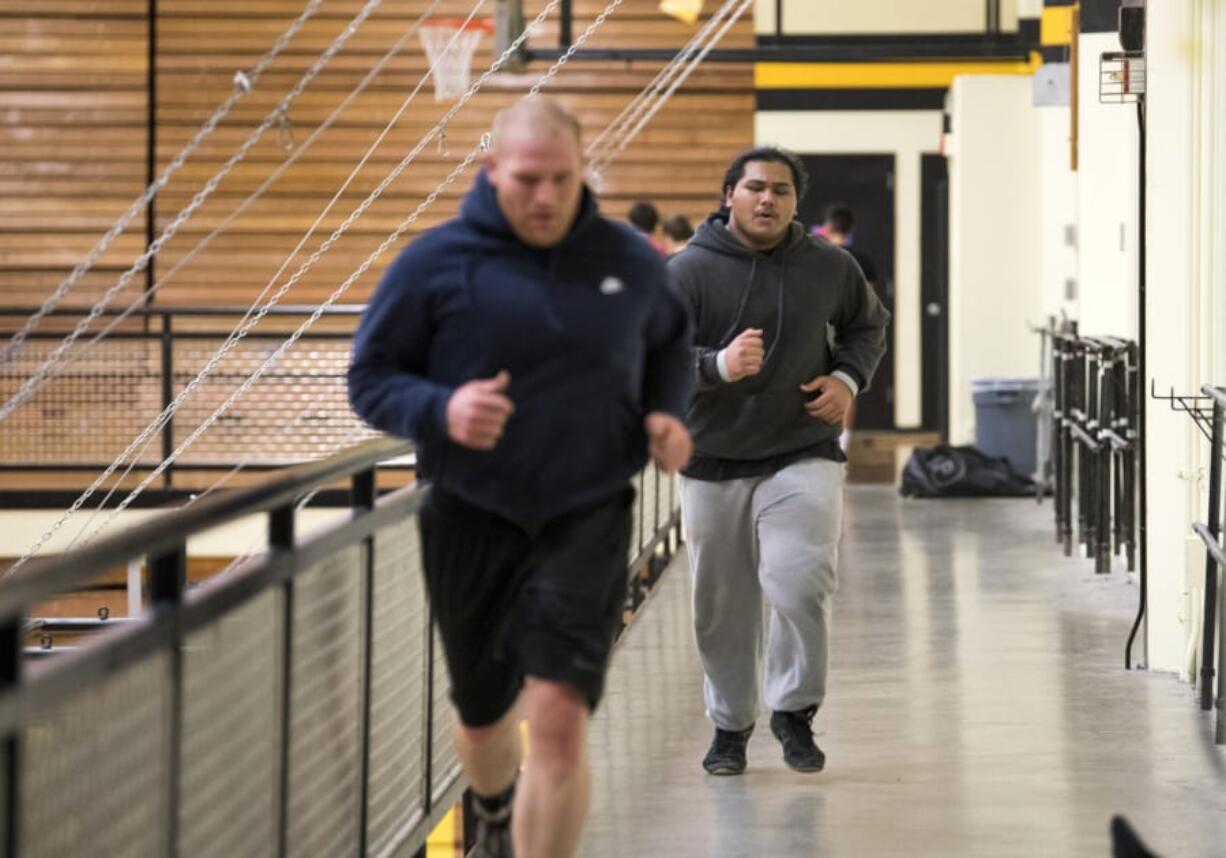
(1142, 524)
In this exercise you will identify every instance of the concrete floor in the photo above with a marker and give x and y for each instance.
(978, 706)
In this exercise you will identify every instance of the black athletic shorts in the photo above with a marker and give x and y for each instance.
(509, 604)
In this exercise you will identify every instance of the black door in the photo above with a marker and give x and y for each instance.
(934, 293)
(865, 184)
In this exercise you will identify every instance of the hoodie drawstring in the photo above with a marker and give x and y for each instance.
(730, 334)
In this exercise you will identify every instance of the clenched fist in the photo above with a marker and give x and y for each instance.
(833, 401)
(743, 356)
(668, 441)
(477, 412)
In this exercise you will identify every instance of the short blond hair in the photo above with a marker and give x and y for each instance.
(535, 116)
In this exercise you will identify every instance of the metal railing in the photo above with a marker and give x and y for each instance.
(102, 395)
(1094, 446)
(1210, 532)
(295, 706)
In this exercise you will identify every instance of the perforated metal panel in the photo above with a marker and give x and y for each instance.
(636, 522)
(95, 774)
(651, 507)
(445, 762)
(266, 421)
(88, 414)
(398, 692)
(95, 407)
(325, 715)
(231, 734)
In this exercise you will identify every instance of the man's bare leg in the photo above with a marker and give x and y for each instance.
(551, 801)
(491, 755)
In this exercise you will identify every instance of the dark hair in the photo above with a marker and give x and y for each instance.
(677, 227)
(840, 219)
(736, 170)
(644, 216)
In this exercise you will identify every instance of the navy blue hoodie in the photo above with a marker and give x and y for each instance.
(589, 330)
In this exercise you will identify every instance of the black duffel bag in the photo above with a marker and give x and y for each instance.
(961, 472)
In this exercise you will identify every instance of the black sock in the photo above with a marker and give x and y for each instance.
(495, 808)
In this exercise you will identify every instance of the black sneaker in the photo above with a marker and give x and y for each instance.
(493, 838)
(794, 731)
(727, 753)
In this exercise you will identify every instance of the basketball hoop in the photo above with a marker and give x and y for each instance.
(450, 44)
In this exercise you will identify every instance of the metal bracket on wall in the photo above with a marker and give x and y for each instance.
(1199, 408)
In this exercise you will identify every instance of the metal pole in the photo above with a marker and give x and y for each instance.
(281, 538)
(1130, 493)
(168, 394)
(1067, 452)
(1057, 413)
(151, 144)
(1105, 453)
(11, 636)
(167, 582)
(565, 25)
(363, 500)
(1214, 523)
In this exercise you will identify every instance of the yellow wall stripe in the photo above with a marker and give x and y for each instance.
(1056, 26)
(880, 75)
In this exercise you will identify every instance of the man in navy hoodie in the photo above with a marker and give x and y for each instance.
(535, 354)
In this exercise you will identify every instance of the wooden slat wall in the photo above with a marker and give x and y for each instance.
(73, 131)
(76, 121)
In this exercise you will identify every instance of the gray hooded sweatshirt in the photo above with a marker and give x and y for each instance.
(794, 293)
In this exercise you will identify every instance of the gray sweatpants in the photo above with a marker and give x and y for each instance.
(775, 536)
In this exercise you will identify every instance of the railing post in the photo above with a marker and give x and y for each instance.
(14, 746)
(167, 583)
(363, 499)
(1214, 523)
(427, 768)
(281, 538)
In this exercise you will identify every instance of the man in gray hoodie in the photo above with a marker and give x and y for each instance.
(762, 495)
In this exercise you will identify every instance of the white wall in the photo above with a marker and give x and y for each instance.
(1186, 279)
(994, 270)
(909, 135)
(1107, 183)
(890, 16)
(1058, 203)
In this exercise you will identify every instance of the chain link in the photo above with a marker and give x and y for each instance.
(672, 88)
(41, 375)
(459, 169)
(377, 69)
(243, 84)
(362, 269)
(170, 409)
(631, 112)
